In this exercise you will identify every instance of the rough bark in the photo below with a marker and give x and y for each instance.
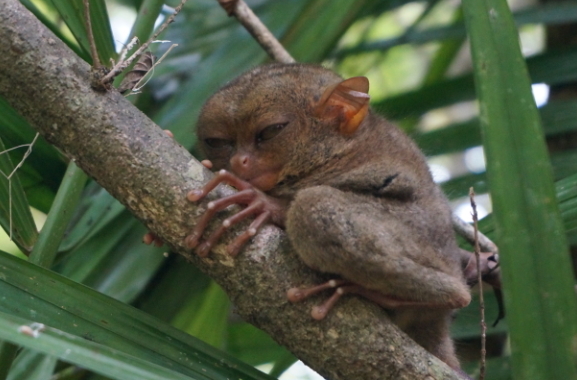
(150, 174)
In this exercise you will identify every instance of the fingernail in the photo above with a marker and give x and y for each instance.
(191, 241)
(232, 250)
(194, 195)
(203, 249)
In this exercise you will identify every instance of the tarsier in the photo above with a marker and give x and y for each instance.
(352, 191)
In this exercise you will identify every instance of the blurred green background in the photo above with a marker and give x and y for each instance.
(136, 306)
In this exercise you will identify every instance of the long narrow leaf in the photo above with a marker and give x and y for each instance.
(60, 214)
(558, 116)
(450, 91)
(548, 14)
(313, 28)
(72, 11)
(34, 293)
(537, 277)
(15, 215)
(82, 352)
(45, 160)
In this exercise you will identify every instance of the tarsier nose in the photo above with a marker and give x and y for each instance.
(240, 164)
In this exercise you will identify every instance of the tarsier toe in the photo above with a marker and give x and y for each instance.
(148, 238)
(191, 241)
(294, 295)
(233, 249)
(194, 195)
(203, 249)
(319, 312)
(206, 163)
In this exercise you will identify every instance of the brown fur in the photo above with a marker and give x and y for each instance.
(362, 206)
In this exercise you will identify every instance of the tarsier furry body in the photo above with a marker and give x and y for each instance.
(353, 192)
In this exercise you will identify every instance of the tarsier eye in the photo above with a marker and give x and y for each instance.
(270, 132)
(217, 143)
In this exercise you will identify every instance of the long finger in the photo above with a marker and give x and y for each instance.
(220, 177)
(235, 247)
(213, 207)
(205, 247)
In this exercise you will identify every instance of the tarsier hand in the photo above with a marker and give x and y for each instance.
(257, 204)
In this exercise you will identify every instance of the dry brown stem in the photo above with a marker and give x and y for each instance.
(480, 282)
(257, 29)
(93, 50)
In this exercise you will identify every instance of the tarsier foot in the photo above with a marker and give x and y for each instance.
(489, 267)
(320, 311)
(150, 238)
(490, 273)
(247, 195)
(343, 287)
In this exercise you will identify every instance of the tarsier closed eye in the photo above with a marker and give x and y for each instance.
(270, 132)
(217, 143)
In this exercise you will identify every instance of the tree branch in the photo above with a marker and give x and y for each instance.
(150, 174)
(257, 29)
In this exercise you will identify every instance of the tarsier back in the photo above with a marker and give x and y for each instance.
(353, 192)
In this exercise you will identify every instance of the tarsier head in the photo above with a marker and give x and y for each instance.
(277, 121)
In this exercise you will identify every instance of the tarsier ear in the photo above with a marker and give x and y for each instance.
(347, 101)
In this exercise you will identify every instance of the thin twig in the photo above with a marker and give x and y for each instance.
(9, 177)
(120, 66)
(93, 50)
(127, 48)
(481, 298)
(257, 29)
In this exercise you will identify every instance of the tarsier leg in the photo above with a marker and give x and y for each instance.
(345, 287)
(383, 266)
(228, 5)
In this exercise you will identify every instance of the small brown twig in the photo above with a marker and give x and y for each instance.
(126, 49)
(120, 66)
(480, 280)
(257, 29)
(9, 178)
(93, 50)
